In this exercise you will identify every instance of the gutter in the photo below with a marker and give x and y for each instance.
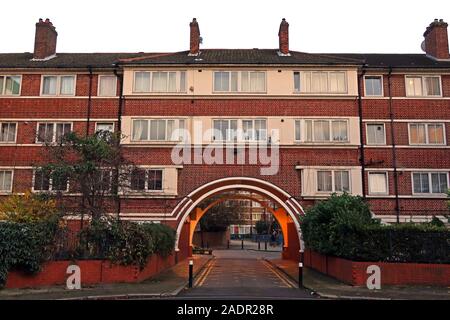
(361, 133)
(119, 131)
(89, 106)
(394, 154)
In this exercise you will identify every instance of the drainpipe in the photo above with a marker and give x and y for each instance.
(89, 101)
(394, 154)
(361, 134)
(119, 132)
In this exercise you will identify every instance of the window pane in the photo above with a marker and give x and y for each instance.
(140, 130)
(59, 182)
(159, 81)
(305, 82)
(373, 86)
(378, 183)
(436, 133)
(105, 126)
(45, 132)
(341, 181)
(49, 86)
(247, 128)
(221, 81)
(232, 132)
(234, 81)
(172, 82)
(67, 85)
(12, 85)
(414, 86)
(324, 181)
(1, 85)
(155, 180)
(257, 81)
(439, 182)
(421, 183)
(296, 81)
(339, 130)
(319, 82)
(433, 86)
(309, 130)
(41, 181)
(142, 81)
(337, 82)
(138, 180)
(321, 131)
(61, 130)
(170, 130)
(183, 81)
(260, 130)
(417, 133)
(297, 130)
(107, 86)
(8, 132)
(5, 181)
(375, 134)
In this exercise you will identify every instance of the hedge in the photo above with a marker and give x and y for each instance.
(342, 226)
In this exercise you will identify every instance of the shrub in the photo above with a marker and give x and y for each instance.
(261, 227)
(27, 208)
(342, 227)
(25, 246)
(163, 238)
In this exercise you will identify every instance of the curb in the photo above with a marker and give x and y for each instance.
(324, 295)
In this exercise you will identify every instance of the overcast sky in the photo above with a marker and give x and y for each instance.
(163, 26)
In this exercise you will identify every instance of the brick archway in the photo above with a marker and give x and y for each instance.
(290, 205)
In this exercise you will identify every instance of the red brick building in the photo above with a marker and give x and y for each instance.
(375, 125)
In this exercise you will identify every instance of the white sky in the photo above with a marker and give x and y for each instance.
(388, 26)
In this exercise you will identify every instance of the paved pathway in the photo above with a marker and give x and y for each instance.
(243, 274)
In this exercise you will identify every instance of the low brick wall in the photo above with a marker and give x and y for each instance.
(355, 272)
(92, 272)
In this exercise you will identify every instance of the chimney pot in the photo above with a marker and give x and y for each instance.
(436, 40)
(45, 39)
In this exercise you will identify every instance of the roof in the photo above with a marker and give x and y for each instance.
(220, 57)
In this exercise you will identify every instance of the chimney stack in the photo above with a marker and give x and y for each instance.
(195, 38)
(283, 36)
(45, 40)
(436, 40)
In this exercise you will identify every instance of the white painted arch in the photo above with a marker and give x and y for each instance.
(246, 186)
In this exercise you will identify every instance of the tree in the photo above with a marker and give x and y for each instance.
(221, 216)
(95, 167)
(262, 227)
(28, 208)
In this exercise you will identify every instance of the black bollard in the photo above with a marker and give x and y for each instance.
(259, 245)
(228, 244)
(191, 273)
(242, 244)
(265, 245)
(300, 271)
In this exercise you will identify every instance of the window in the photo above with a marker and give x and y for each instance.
(6, 180)
(107, 86)
(298, 134)
(146, 180)
(158, 129)
(375, 133)
(104, 126)
(45, 181)
(320, 81)
(49, 132)
(58, 85)
(10, 85)
(254, 130)
(239, 81)
(225, 130)
(326, 130)
(378, 183)
(430, 182)
(103, 179)
(420, 86)
(373, 85)
(426, 133)
(8, 132)
(333, 181)
(160, 81)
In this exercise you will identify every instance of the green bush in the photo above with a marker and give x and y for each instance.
(124, 242)
(25, 246)
(262, 227)
(342, 227)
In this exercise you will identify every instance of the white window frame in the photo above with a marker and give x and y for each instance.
(427, 143)
(239, 82)
(3, 88)
(54, 130)
(328, 92)
(168, 139)
(386, 174)
(12, 181)
(50, 188)
(367, 133)
(58, 85)
(15, 134)
(330, 126)
(146, 189)
(431, 193)
(333, 181)
(150, 87)
(423, 95)
(382, 85)
(98, 85)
